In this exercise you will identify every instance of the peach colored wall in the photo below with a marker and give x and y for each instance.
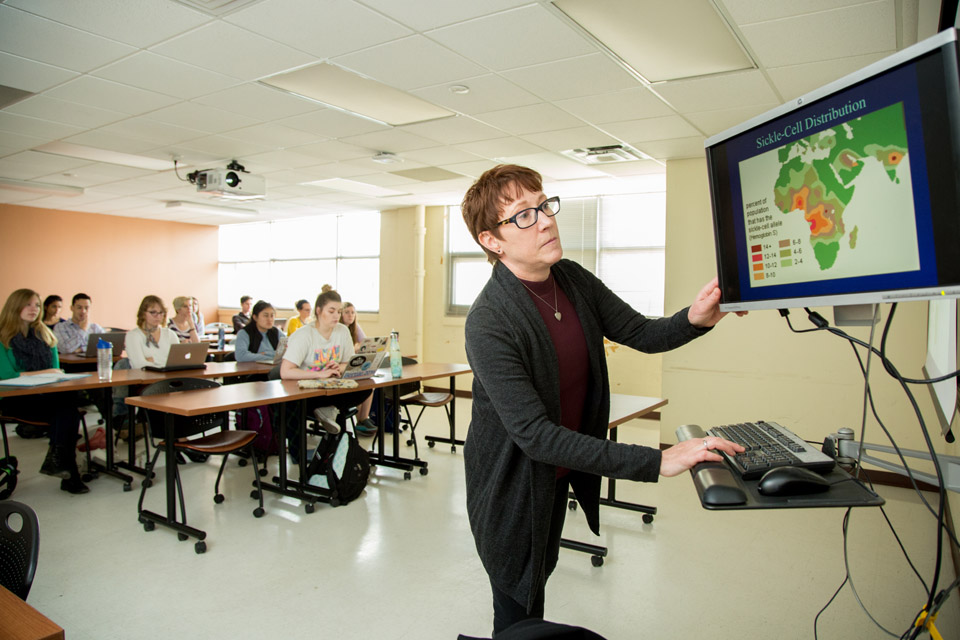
(115, 260)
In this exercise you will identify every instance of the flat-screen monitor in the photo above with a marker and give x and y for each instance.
(847, 195)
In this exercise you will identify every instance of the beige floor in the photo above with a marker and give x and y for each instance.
(400, 563)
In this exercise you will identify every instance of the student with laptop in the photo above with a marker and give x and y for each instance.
(182, 322)
(149, 344)
(318, 351)
(73, 335)
(260, 341)
(27, 346)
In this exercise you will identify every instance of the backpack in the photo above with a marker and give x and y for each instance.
(341, 466)
(258, 419)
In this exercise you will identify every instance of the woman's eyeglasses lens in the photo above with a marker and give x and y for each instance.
(527, 218)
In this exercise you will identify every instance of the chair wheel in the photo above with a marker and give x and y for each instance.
(406, 475)
(149, 525)
(453, 449)
(263, 472)
(241, 462)
(423, 471)
(647, 518)
(335, 502)
(182, 536)
(409, 443)
(596, 561)
(431, 443)
(309, 507)
(258, 512)
(572, 505)
(200, 547)
(218, 498)
(255, 494)
(127, 486)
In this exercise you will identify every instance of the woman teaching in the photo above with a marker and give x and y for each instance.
(541, 398)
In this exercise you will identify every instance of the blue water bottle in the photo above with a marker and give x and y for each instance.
(104, 360)
(396, 360)
(220, 338)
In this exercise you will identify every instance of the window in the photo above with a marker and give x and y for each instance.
(619, 238)
(283, 261)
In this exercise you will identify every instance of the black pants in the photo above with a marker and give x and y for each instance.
(342, 401)
(506, 610)
(59, 410)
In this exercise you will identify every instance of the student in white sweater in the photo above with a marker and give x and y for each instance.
(149, 344)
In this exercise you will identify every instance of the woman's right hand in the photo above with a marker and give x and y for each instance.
(332, 370)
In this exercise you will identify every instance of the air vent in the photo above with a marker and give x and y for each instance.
(605, 155)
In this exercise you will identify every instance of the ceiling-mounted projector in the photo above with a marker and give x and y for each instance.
(233, 183)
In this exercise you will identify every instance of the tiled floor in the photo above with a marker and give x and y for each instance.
(400, 563)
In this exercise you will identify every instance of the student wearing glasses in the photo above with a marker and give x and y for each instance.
(533, 437)
(301, 319)
(149, 344)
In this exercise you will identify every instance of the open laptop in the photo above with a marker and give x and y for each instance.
(183, 356)
(368, 358)
(115, 338)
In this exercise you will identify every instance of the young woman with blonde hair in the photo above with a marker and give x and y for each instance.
(28, 347)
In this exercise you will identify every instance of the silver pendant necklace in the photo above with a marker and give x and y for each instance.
(555, 307)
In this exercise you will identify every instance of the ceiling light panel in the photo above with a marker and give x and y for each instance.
(102, 155)
(340, 88)
(666, 41)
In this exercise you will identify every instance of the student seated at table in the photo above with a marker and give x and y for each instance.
(301, 319)
(149, 344)
(260, 341)
(72, 335)
(240, 320)
(27, 346)
(317, 351)
(182, 323)
(197, 316)
(348, 317)
(51, 311)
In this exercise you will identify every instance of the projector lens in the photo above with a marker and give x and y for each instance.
(232, 179)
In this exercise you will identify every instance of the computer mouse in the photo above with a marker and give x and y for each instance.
(791, 481)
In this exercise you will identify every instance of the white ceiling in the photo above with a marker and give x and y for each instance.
(159, 79)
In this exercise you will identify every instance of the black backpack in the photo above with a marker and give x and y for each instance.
(341, 466)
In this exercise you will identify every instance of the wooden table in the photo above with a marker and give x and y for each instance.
(20, 621)
(623, 408)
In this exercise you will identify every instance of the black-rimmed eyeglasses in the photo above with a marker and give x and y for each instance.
(528, 217)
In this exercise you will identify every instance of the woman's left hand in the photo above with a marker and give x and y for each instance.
(705, 310)
(685, 455)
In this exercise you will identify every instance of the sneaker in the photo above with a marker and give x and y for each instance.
(328, 425)
(74, 485)
(366, 427)
(97, 441)
(53, 466)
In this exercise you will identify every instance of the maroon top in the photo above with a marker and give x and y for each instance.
(570, 347)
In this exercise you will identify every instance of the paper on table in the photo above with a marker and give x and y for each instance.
(41, 379)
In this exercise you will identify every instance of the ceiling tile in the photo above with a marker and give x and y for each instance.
(714, 122)
(651, 129)
(861, 29)
(637, 168)
(164, 75)
(392, 140)
(272, 135)
(71, 113)
(576, 138)
(595, 73)
(232, 51)
(796, 80)
(322, 28)
(486, 93)
(673, 149)
(260, 102)
(278, 160)
(524, 36)
(92, 175)
(140, 23)
(30, 75)
(223, 147)
(556, 167)
(333, 123)
(472, 169)
(104, 94)
(454, 130)
(11, 143)
(40, 129)
(39, 39)
(750, 11)
(614, 107)
(437, 13)
(437, 156)
(530, 119)
(153, 131)
(191, 115)
(410, 63)
(500, 148)
(28, 165)
(100, 139)
(718, 92)
(333, 150)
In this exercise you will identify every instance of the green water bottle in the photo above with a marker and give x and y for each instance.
(396, 360)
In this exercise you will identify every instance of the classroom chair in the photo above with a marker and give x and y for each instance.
(19, 547)
(8, 481)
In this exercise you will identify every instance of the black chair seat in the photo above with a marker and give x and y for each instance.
(19, 547)
(429, 399)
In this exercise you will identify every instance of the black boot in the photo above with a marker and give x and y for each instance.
(56, 463)
(74, 485)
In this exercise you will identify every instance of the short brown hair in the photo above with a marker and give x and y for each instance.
(482, 203)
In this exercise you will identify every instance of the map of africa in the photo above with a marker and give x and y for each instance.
(841, 203)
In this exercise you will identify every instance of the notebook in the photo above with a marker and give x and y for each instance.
(183, 356)
(115, 338)
(365, 362)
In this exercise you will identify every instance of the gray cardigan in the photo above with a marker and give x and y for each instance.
(515, 442)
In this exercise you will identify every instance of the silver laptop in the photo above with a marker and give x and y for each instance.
(115, 338)
(362, 365)
(183, 356)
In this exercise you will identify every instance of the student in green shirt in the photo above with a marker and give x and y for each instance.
(27, 346)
